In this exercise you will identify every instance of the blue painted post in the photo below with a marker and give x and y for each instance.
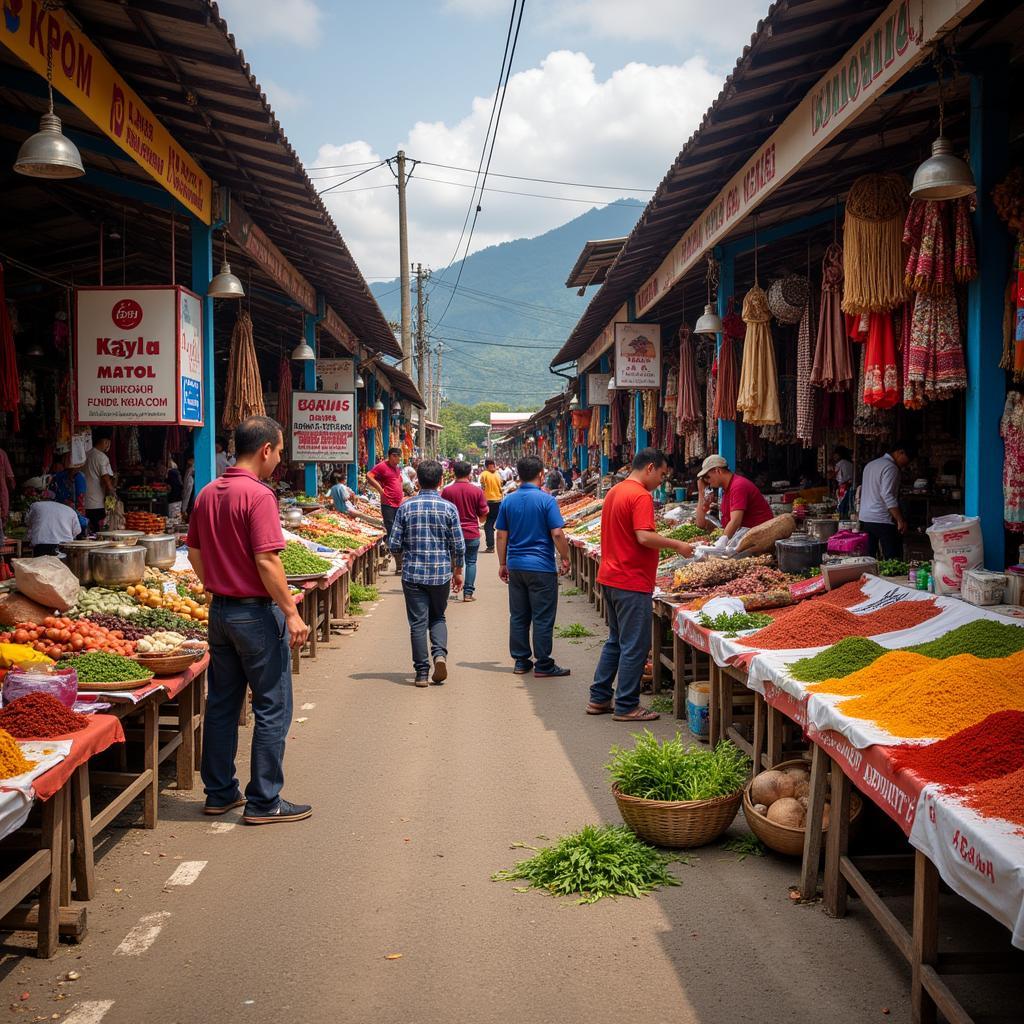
(986, 382)
(352, 475)
(584, 404)
(385, 429)
(371, 434)
(604, 411)
(312, 481)
(726, 284)
(204, 437)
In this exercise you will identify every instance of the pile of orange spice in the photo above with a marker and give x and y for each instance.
(12, 760)
(881, 672)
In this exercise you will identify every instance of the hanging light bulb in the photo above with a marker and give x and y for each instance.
(611, 383)
(49, 153)
(378, 406)
(574, 402)
(359, 382)
(227, 286)
(303, 351)
(710, 323)
(943, 175)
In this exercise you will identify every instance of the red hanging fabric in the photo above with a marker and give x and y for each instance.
(9, 386)
(881, 378)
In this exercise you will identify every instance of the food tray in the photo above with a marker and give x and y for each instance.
(311, 508)
(168, 664)
(124, 684)
(308, 576)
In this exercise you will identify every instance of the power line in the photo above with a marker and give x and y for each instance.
(496, 344)
(515, 302)
(543, 181)
(331, 188)
(335, 167)
(529, 195)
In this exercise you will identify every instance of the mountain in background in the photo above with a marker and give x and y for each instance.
(512, 312)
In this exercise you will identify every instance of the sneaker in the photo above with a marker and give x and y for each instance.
(224, 808)
(284, 811)
(522, 667)
(551, 673)
(440, 670)
(488, 551)
(422, 680)
(468, 597)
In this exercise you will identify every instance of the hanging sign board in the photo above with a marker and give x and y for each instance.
(323, 427)
(136, 359)
(597, 388)
(603, 342)
(898, 40)
(86, 79)
(337, 374)
(637, 356)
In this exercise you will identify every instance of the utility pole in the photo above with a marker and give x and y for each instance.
(422, 358)
(437, 385)
(403, 258)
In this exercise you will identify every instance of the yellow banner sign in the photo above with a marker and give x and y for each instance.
(84, 76)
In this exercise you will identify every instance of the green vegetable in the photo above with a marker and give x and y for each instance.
(736, 622)
(893, 567)
(97, 667)
(597, 861)
(983, 638)
(839, 660)
(574, 629)
(571, 592)
(298, 560)
(360, 592)
(160, 618)
(103, 601)
(745, 846)
(663, 705)
(338, 541)
(666, 770)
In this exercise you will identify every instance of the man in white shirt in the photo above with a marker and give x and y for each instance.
(222, 458)
(880, 516)
(51, 523)
(99, 482)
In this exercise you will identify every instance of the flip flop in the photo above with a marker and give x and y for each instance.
(638, 714)
(599, 709)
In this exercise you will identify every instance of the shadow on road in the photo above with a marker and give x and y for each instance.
(399, 678)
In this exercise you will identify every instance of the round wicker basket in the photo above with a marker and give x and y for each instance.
(168, 664)
(783, 838)
(678, 824)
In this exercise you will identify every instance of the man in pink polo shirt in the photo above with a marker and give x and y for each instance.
(386, 479)
(742, 503)
(234, 544)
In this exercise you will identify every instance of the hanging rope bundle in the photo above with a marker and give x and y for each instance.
(832, 369)
(873, 244)
(727, 381)
(244, 394)
(711, 425)
(758, 397)
(284, 394)
(805, 392)
(688, 414)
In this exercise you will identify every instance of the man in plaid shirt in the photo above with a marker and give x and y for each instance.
(428, 537)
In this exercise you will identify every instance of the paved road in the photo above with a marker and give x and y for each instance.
(418, 795)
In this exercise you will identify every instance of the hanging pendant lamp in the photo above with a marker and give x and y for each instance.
(378, 406)
(710, 323)
(574, 402)
(227, 286)
(49, 153)
(359, 382)
(943, 175)
(302, 352)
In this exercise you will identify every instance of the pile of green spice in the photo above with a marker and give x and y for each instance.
(298, 560)
(984, 638)
(841, 659)
(97, 667)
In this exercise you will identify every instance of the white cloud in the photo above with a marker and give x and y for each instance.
(559, 122)
(476, 8)
(290, 21)
(282, 99)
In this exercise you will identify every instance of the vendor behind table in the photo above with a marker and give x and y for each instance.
(742, 504)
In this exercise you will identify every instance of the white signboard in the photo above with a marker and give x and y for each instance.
(338, 375)
(637, 356)
(127, 355)
(597, 388)
(323, 426)
(190, 358)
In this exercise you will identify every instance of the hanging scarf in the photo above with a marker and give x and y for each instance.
(804, 391)
(880, 382)
(870, 421)
(1013, 318)
(727, 381)
(832, 368)
(1011, 429)
(758, 397)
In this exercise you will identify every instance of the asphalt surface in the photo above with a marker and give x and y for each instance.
(380, 908)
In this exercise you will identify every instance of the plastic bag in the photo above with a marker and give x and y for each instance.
(46, 580)
(957, 546)
(60, 683)
(15, 608)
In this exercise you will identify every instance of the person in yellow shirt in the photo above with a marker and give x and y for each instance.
(490, 482)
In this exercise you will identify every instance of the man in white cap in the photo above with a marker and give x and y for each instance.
(742, 504)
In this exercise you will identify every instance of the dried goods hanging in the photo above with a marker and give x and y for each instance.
(688, 414)
(726, 380)
(880, 379)
(244, 391)
(711, 424)
(832, 368)
(1011, 429)
(284, 393)
(758, 397)
(804, 391)
(873, 244)
(649, 408)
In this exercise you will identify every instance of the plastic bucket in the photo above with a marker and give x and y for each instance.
(680, 494)
(698, 697)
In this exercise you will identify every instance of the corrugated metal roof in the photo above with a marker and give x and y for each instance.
(593, 262)
(401, 382)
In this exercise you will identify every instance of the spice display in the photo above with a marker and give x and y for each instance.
(832, 368)
(881, 672)
(158, 618)
(56, 637)
(947, 696)
(244, 396)
(106, 668)
(758, 397)
(12, 760)
(300, 561)
(993, 747)
(735, 622)
(714, 571)
(984, 638)
(873, 239)
(839, 660)
(999, 798)
(815, 624)
(757, 580)
(39, 716)
(845, 596)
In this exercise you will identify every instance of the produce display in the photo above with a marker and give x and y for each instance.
(160, 618)
(893, 567)
(329, 538)
(103, 601)
(733, 623)
(38, 716)
(130, 627)
(97, 667)
(984, 638)
(58, 637)
(781, 796)
(161, 641)
(12, 760)
(689, 532)
(147, 522)
(186, 607)
(146, 490)
(300, 561)
(713, 572)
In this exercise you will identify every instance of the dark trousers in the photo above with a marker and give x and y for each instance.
(388, 513)
(625, 651)
(425, 606)
(885, 536)
(44, 549)
(96, 516)
(248, 645)
(492, 516)
(532, 601)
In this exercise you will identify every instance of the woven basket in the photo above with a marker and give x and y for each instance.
(782, 838)
(787, 297)
(678, 824)
(168, 664)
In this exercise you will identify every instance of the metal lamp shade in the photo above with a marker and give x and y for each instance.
(49, 153)
(378, 406)
(302, 351)
(709, 323)
(359, 382)
(943, 175)
(226, 286)
(574, 402)
(611, 383)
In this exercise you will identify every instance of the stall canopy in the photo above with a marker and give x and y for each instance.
(592, 264)
(401, 384)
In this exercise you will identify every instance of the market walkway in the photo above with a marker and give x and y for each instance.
(418, 795)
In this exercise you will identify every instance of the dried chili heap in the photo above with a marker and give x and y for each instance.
(38, 716)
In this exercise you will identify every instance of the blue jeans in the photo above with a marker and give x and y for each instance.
(425, 606)
(248, 646)
(472, 550)
(625, 651)
(532, 600)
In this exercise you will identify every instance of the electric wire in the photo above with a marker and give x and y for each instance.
(542, 181)
(331, 188)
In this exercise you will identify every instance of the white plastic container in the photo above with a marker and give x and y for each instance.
(981, 587)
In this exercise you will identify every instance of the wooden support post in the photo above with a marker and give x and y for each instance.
(925, 948)
(186, 755)
(50, 887)
(657, 638)
(679, 672)
(760, 728)
(836, 844)
(81, 831)
(151, 761)
(820, 762)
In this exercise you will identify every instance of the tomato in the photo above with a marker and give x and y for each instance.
(77, 643)
(21, 636)
(53, 634)
(65, 635)
(54, 652)
(91, 644)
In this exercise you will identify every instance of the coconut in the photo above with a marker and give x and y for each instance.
(761, 809)
(769, 786)
(786, 811)
(798, 773)
(802, 789)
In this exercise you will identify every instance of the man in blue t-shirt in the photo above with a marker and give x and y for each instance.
(529, 528)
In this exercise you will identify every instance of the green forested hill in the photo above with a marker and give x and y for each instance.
(512, 311)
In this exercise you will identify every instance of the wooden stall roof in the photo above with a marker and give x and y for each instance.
(400, 382)
(593, 262)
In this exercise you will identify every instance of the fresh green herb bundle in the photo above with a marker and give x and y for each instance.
(735, 622)
(298, 560)
(97, 667)
(839, 660)
(160, 618)
(663, 705)
(597, 861)
(744, 846)
(574, 629)
(893, 567)
(666, 770)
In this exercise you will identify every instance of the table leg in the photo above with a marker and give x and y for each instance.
(679, 661)
(65, 857)
(657, 636)
(812, 833)
(714, 704)
(185, 756)
(151, 740)
(760, 716)
(725, 713)
(81, 831)
(199, 710)
(309, 607)
(925, 936)
(836, 844)
(775, 723)
(49, 889)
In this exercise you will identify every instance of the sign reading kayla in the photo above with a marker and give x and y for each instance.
(139, 356)
(323, 427)
(637, 356)
(83, 75)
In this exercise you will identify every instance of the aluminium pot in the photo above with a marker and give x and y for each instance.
(120, 538)
(77, 552)
(798, 554)
(161, 549)
(117, 566)
(291, 516)
(822, 529)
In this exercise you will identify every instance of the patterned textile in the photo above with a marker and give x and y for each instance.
(1011, 428)
(833, 368)
(871, 421)
(880, 380)
(805, 393)
(935, 355)
(428, 533)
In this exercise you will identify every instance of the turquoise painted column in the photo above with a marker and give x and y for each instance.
(312, 482)
(726, 284)
(986, 382)
(605, 411)
(352, 474)
(205, 436)
(371, 434)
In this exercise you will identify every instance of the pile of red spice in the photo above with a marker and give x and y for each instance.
(845, 596)
(992, 748)
(38, 716)
(999, 798)
(816, 624)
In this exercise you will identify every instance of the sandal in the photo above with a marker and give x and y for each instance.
(599, 709)
(638, 714)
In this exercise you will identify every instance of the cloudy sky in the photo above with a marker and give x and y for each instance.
(603, 92)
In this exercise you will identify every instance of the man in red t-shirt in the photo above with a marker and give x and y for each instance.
(234, 545)
(629, 565)
(742, 504)
(386, 479)
(473, 509)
